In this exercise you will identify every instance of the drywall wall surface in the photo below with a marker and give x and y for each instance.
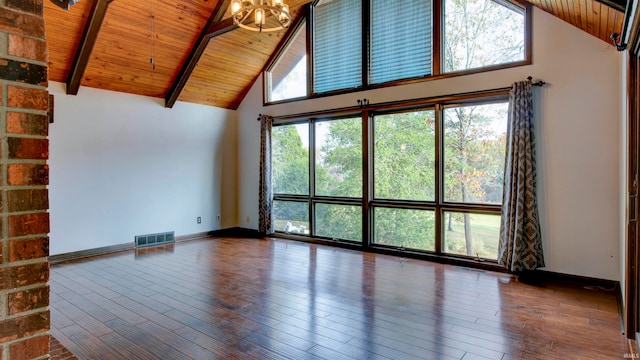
(123, 165)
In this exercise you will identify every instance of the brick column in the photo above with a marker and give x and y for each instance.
(24, 150)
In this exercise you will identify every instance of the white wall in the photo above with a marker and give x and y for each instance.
(123, 165)
(579, 135)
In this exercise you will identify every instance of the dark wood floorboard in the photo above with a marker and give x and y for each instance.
(279, 299)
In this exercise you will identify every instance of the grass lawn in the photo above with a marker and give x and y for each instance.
(485, 230)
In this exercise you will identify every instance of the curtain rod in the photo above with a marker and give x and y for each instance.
(490, 92)
(621, 39)
(537, 83)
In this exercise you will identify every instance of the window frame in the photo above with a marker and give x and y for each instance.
(287, 40)
(437, 71)
(368, 202)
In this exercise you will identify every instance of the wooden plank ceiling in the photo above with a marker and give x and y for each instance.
(229, 64)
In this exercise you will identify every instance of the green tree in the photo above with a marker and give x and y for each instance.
(290, 161)
(290, 174)
(471, 164)
(339, 158)
(338, 172)
(404, 152)
(404, 169)
(482, 33)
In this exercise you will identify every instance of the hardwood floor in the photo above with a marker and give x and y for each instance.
(281, 299)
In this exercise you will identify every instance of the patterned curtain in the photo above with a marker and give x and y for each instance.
(265, 193)
(520, 246)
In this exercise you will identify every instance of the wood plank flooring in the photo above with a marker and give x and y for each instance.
(281, 299)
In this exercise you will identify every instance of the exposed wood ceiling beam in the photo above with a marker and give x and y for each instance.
(88, 40)
(215, 26)
(619, 5)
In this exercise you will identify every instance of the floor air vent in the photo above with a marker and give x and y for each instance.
(155, 239)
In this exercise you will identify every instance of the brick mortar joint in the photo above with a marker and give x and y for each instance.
(7, 265)
(23, 161)
(24, 85)
(25, 288)
(28, 36)
(26, 237)
(23, 59)
(28, 212)
(27, 313)
(27, 338)
(26, 136)
(22, 187)
(22, 12)
(26, 111)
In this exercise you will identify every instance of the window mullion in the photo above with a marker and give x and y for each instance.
(310, 65)
(439, 176)
(436, 36)
(366, 179)
(312, 175)
(366, 38)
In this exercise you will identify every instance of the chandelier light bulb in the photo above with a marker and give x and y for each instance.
(284, 15)
(260, 15)
(236, 5)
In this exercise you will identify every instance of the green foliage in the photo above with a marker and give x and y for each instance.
(293, 212)
(474, 148)
(290, 161)
(405, 228)
(339, 221)
(404, 153)
(339, 158)
(482, 33)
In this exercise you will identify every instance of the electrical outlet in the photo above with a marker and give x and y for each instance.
(199, 220)
(218, 217)
(247, 219)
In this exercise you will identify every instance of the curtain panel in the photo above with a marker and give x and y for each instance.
(265, 193)
(520, 247)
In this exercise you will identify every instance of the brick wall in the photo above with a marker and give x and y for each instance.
(24, 150)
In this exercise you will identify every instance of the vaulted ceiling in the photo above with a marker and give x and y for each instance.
(185, 35)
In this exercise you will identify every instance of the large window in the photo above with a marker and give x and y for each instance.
(426, 179)
(359, 44)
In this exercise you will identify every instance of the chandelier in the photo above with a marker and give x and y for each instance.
(260, 15)
(64, 4)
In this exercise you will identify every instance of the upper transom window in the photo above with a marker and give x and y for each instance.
(356, 45)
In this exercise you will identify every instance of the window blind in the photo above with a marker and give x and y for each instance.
(337, 45)
(400, 40)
